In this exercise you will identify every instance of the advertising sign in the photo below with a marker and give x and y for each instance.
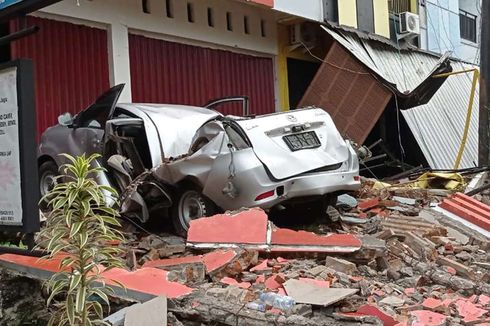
(18, 167)
(10, 187)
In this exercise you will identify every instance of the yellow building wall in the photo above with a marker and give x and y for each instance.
(348, 13)
(381, 18)
(414, 6)
(282, 67)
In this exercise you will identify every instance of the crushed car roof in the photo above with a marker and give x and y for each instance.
(176, 124)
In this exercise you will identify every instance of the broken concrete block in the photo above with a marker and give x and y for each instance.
(460, 268)
(392, 301)
(428, 318)
(371, 310)
(432, 304)
(340, 265)
(117, 318)
(229, 229)
(232, 281)
(224, 230)
(303, 292)
(153, 312)
(303, 241)
(188, 269)
(229, 264)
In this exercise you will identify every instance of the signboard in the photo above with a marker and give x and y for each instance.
(6, 3)
(10, 187)
(18, 166)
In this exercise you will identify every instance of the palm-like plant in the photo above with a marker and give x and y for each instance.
(81, 231)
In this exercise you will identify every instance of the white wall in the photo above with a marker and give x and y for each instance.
(121, 16)
(310, 9)
(469, 50)
(442, 32)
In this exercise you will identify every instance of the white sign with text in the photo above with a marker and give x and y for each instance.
(10, 178)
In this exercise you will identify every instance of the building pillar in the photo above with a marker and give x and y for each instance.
(119, 63)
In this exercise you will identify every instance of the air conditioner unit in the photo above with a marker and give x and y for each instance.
(409, 23)
(301, 33)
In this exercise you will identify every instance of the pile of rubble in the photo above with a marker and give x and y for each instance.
(393, 261)
(399, 256)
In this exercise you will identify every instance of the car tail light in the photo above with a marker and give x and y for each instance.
(357, 178)
(265, 195)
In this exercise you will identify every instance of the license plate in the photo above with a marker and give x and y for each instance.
(304, 140)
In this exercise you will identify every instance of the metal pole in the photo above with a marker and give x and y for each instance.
(483, 125)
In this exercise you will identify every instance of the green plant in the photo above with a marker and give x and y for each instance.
(82, 225)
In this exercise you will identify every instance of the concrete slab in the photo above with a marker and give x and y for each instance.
(251, 229)
(303, 241)
(141, 285)
(305, 292)
(247, 227)
(150, 313)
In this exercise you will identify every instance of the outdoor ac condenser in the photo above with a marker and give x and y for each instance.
(409, 23)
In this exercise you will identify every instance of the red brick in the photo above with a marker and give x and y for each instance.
(369, 203)
(261, 267)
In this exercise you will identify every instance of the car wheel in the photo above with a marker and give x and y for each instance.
(48, 171)
(191, 204)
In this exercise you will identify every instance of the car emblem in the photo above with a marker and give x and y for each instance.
(291, 118)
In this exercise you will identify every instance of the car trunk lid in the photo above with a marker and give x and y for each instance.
(296, 142)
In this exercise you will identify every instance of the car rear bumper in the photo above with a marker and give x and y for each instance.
(252, 181)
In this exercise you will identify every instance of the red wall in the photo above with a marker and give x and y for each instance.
(167, 72)
(71, 66)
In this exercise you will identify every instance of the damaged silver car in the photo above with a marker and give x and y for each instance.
(194, 161)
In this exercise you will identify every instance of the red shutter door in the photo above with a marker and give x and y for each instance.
(71, 66)
(168, 72)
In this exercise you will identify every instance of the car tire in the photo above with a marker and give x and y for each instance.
(190, 204)
(48, 171)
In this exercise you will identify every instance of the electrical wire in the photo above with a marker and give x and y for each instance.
(333, 65)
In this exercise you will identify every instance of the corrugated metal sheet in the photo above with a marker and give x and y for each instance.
(345, 89)
(71, 66)
(168, 72)
(438, 125)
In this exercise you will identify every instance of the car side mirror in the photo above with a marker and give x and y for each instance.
(66, 120)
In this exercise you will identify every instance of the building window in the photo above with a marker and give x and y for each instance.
(399, 6)
(210, 17)
(467, 25)
(190, 12)
(169, 8)
(263, 32)
(229, 23)
(246, 26)
(145, 6)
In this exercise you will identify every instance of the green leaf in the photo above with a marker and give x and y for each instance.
(80, 300)
(75, 228)
(74, 282)
(70, 310)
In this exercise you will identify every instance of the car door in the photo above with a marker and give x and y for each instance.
(88, 127)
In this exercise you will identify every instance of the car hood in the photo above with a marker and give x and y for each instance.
(266, 134)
